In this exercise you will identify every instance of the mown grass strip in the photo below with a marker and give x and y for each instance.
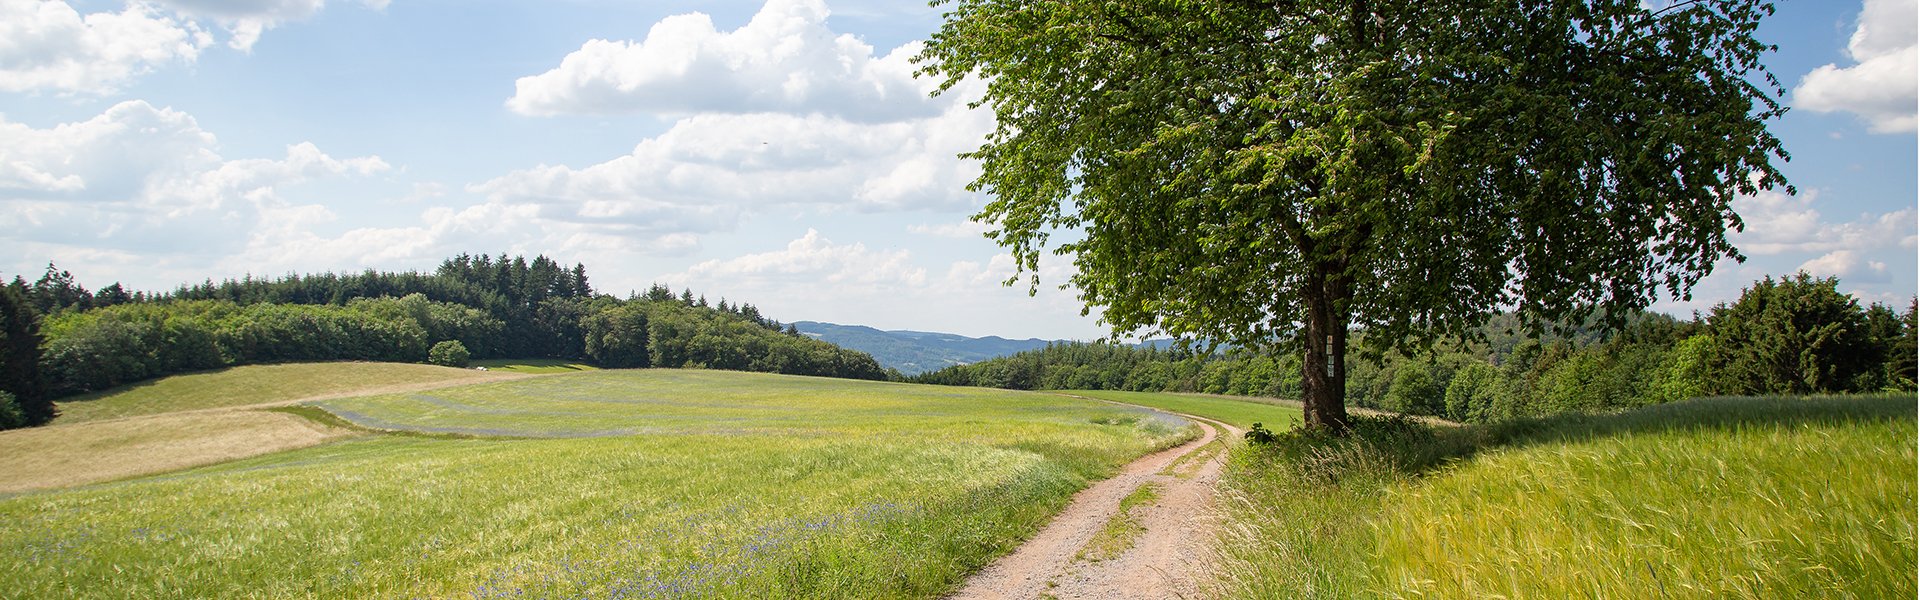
(253, 384)
(1187, 464)
(1120, 531)
(531, 366)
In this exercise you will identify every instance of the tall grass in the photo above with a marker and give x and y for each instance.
(1728, 497)
(737, 485)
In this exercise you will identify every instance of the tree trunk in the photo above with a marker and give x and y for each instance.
(1323, 373)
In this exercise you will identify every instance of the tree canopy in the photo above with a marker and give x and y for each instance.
(1274, 174)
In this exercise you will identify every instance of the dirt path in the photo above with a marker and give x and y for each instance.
(1169, 550)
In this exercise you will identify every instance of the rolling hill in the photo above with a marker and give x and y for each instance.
(916, 352)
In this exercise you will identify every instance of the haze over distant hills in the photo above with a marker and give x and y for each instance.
(915, 352)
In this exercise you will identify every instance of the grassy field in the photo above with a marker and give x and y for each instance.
(605, 484)
(1277, 415)
(254, 384)
(1714, 498)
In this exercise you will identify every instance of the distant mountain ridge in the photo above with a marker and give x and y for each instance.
(914, 352)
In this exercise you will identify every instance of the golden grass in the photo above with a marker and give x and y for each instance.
(68, 455)
(260, 384)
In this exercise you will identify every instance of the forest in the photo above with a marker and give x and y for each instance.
(1794, 335)
(62, 339)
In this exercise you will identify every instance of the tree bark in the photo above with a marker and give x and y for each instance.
(1323, 377)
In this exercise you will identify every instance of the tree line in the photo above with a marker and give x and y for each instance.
(62, 340)
(1795, 335)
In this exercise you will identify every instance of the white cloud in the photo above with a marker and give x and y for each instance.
(139, 180)
(784, 60)
(781, 114)
(49, 46)
(1777, 223)
(816, 278)
(1849, 265)
(815, 259)
(246, 20)
(1882, 85)
(968, 229)
(708, 171)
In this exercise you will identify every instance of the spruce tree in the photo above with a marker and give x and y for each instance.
(20, 357)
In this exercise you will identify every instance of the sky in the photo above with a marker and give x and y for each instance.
(774, 152)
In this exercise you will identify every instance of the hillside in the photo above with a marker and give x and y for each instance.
(470, 307)
(915, 352)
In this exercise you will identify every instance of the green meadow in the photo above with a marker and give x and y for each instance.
(1803, 497)
(601, 484)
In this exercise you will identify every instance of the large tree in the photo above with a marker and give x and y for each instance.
(1276, 174)
(20, 356)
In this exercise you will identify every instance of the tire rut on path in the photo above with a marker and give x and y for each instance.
(1168, 558)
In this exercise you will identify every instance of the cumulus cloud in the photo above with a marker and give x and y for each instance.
(1872, 254)
(245, 20)
(785, 59)
(49, 46)
(1881, 84)
(1777, 223)
(957, 230)
(709, 171)
(140, 180)
(781, 113)
(815, 259)
(1849, 265)
(816, 278)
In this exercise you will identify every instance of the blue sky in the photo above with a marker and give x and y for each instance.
(777, 152)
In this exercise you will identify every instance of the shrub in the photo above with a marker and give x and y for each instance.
(1259, 434)
(10, 414)
(1474, 393)
(1415, 391)
(1684, 373)
(450, 353)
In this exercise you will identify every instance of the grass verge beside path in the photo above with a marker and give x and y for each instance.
(1724, 497)
(253, 384)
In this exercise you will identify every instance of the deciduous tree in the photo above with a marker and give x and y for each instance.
(1275, 174)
